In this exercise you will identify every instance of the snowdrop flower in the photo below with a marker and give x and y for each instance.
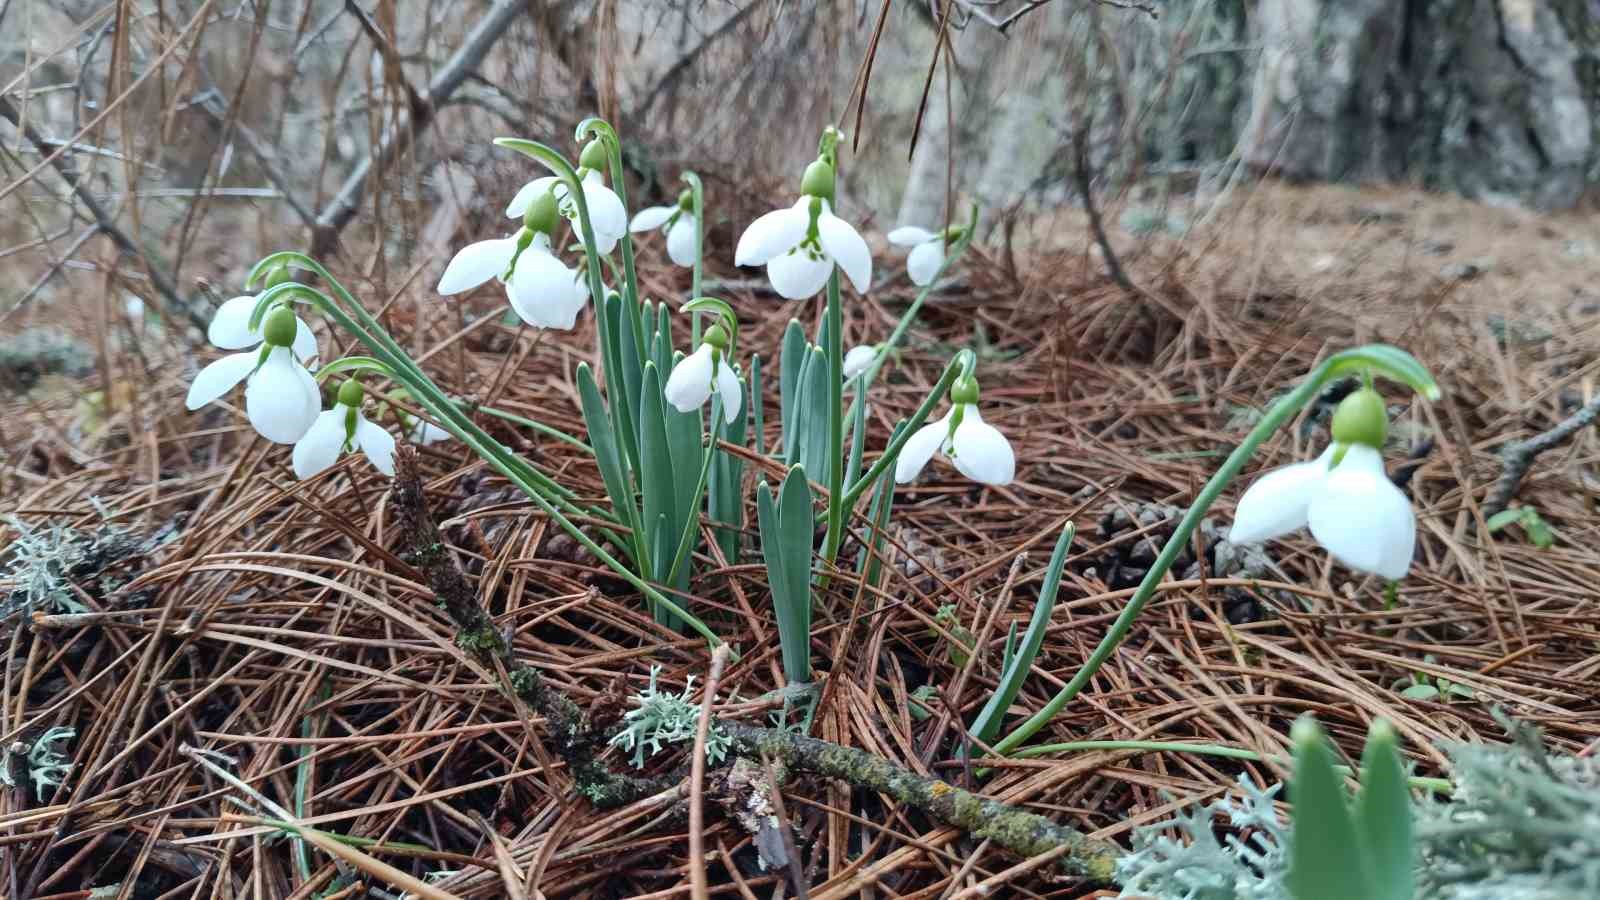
(607, 216)
(800, 245)
(230, 325)
(281, 398)
(693, 378)
(1355, 512)
(679, 224)
(542, 290)
(978, 450)
(927, 251)
(424, 433)
(859, 359)
(340, 428)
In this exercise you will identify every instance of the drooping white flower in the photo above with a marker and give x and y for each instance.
(801, 244)
(978, 450)
(859, 359)
(698, 374)
(542, 290)
(281, 398)
(338, 429)
(230, 329)
(424, 433)
(678, 222)
(927, 252)
(607, 216)
(1354, 511)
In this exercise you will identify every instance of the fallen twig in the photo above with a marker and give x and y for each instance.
(577, 742)
(1516, 459)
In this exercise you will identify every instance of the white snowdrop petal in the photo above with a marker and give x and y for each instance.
(377, 443)
(607, 215)
(542, 290)
(919, 448)
(1277, 502)
(924, 262)
(476, 263)
(230, 326)
(518, 207)
(219, 378)
(276, 399)
(322, 443)
(305, 341)
(981, 452)
(1362, 519)
(859, 359)
(731, 392)
(772, 234)
(651, 218)
(681, 241)
(848, 248)
(910, 236)
(689, 385)
(796, 275)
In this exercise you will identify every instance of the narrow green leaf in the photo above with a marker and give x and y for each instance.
(724, 498)
(1503, 518)
(813, 438)
(1383, 816)
(791, 358)
(623, 379)
(655, 469)
(607, 456)
(858, 442)
(786, 548)
(759, 428)
(1324, 858)
(987, 724)
(871, 562)
(1420, 692)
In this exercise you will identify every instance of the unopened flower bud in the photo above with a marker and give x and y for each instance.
(716, 336)
(686, 200)
(542, 214)
(965, 390)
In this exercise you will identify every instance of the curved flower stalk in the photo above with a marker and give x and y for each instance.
(1344, 495)
(678, 223)
(978, 449)
(927, 250)
(343, 428)
(801, 244)
(230, 325)
(281, 398)
(543, 292)
(1391, 362)
(607, 215)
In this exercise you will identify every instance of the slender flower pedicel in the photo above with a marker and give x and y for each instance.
(542, 290)
(800, 245)
(1354, 511)
(607, 215)
(679, 224)
(978, 450)
(340, 428)
(281, 398)
(927, 250)
(707, 368)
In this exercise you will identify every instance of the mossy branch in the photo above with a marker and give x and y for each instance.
(578, 743)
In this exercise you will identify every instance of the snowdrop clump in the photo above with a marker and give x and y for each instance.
(281, 398)
(978, 449)
(543, 292)
(341, 428)
(1352, 508)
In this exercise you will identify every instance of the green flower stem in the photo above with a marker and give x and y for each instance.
(962, 364)
(697, 191)
(1436, 785)
(835, 351)
(1393, 362)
